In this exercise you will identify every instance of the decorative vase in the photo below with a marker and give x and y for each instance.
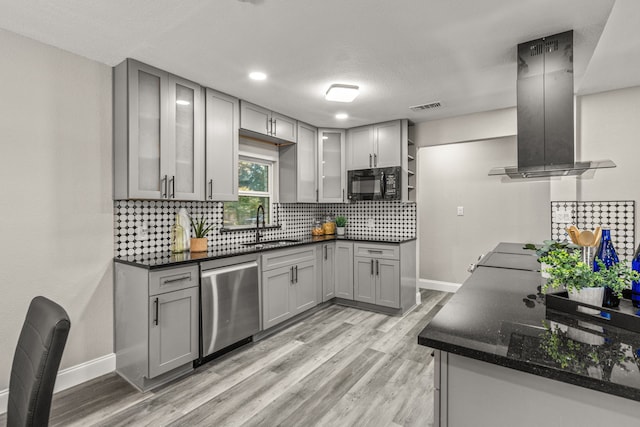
(591, 296)
(607, 254)
(198, 244)
(340, 231)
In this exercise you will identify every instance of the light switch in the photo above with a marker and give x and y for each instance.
(460, 210)
(371, 223)
(142, 230)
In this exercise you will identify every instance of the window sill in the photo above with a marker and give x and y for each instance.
(249, 228)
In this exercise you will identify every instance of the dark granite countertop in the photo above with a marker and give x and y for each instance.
(498, 316)
(166, 259)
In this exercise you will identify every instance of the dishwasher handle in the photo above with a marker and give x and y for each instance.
(229, 269)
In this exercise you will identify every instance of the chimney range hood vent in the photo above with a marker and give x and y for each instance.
(545, 111)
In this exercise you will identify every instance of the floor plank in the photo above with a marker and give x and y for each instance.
(340, 366)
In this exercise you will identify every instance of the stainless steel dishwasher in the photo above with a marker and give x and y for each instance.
(230, 303)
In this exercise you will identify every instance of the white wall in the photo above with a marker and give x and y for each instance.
(56, 213)
(495, 209)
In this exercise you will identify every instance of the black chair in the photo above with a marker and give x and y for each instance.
(36, 362)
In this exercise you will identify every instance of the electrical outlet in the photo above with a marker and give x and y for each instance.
(460, 210)
(283, 225)
(564, 216)
(371, 223)
(142, 230)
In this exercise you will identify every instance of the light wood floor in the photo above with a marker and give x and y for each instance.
(340, 367)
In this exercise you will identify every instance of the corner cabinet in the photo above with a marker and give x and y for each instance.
(331, 166)
(344, 270)
(298, 167)
(265, 122)
(288, 284)
(158, 134)
(328, 263)
(156, 323)
(222, 121)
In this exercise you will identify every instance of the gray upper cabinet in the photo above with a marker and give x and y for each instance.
(331, 166)
(344, 270)
(262, 121)
(298, 167)
(158, 134)
(221, 139)
(375, 146)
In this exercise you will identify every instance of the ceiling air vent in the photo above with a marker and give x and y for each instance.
(429, 106)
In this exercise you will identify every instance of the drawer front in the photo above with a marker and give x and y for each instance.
(287, 257)
(173, 279)
(376, 250)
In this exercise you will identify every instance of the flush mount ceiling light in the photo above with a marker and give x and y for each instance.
(182, 102)
(342, 116)
(341, 93)
(257, 75)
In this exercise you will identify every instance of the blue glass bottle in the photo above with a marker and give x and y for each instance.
(607, 254)
(635, 286)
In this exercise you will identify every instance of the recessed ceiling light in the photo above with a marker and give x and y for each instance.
(341, 93)
(257, 75)
(342, 116)
(182, 102)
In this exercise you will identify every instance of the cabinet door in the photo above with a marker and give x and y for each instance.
(344, 270)
(388, 146)
(185, 154)
(278, 297)
(255, 118)
(360, 148)
(328, 271)
(387, 282)
(306, 156)
(304, 286)
(173, 330)
(148, 134)
(222, 115)
(364, 279)
(284, 127)
(331, 166)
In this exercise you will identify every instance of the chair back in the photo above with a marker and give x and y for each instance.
(36, 362)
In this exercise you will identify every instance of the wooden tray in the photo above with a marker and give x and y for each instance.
(625, 316)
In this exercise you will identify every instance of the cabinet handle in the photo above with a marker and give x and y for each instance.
(372, 267)
(375, 160)
(164, 183)
(291, 275)
(296, 270)
(211, 189)
(377, 268)
(325, 253)
(370, 160)
(177, 279)
(317, 195)
(155, 314)
(268, 124)
(374, 251)
(173, 186)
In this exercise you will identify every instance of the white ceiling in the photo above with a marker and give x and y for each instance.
(400, 52)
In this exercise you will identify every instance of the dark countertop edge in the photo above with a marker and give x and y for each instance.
(535, 369)
(249, 251)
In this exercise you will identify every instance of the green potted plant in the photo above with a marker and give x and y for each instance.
(200, 231)
(544, 249)
(341, 222)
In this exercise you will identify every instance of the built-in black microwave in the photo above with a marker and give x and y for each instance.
(374, 184)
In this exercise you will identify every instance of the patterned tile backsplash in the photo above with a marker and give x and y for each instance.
(618, 216)
(391, 219)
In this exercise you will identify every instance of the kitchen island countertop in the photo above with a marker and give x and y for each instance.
(499, 316)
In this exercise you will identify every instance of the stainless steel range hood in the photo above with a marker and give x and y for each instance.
(546, 145)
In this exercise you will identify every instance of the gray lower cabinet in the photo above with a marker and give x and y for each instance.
(344, 270)
(377, 274)
(156, 323)
(289, 284)
(328, 262)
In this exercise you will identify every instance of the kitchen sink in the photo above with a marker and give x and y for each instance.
(271, 243)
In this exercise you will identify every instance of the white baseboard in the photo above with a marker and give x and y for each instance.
(73, 376)
(437, 285)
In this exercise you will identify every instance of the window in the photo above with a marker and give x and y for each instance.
(255, 188)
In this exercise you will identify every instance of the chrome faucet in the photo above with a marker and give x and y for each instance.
(260, 208)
